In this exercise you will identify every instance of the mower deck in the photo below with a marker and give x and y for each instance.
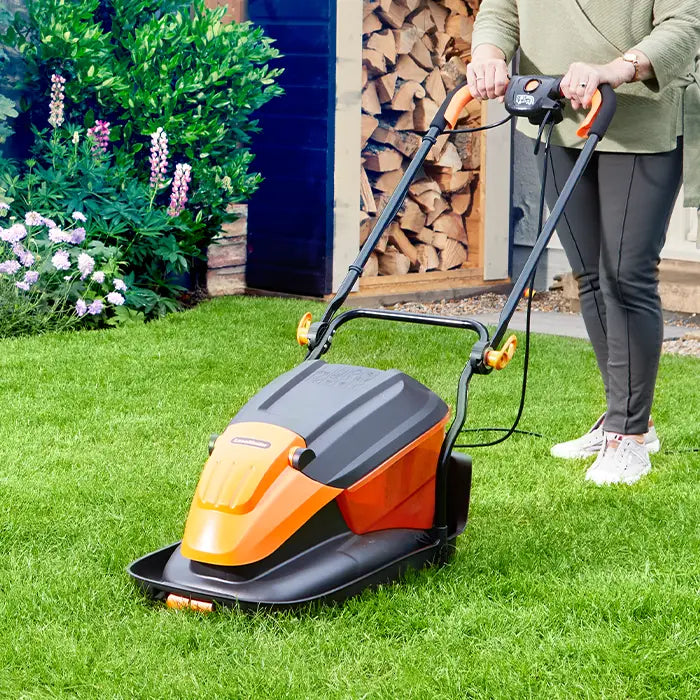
(322, 561)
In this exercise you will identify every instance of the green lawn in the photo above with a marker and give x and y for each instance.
(558, 589)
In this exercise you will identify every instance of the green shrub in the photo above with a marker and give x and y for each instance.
(75, 170)
(142, 65)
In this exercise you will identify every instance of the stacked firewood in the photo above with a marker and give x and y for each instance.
(415, 52)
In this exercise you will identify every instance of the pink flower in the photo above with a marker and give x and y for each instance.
(99, 134)
(79, 216)
(77, 236)
(26, 258)
(178, 196)
(96, 308)
(58, 95)
(33, 218)
(49, 223)
(115, 298)
(57, 235)
(80, 308)
(61, 260)
(86, 265)
(30, 278)
(9, 267)
(119, 285)
(14, 234)
(159, 157)
(99, 277)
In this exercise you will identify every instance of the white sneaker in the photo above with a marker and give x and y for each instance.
(625, 464)
(592, 442)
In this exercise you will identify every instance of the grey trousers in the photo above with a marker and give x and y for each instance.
(613, 230)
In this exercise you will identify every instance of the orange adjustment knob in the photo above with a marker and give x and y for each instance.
(303, 329)
(498, 359)
(179, 602)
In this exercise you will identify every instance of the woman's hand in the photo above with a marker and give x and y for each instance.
(487, 74)
(582, 80)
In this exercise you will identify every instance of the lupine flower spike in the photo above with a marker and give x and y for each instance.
(158, 158)
(178, 196)
(99, 134)
(58, 96)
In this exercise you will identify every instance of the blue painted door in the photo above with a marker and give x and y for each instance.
(290, 220)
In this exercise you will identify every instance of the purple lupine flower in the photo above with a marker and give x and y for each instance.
(33, 218)
(96, 308)
(178, 196)
(9, 267)
(100, 136)
(119, 285)
(61, 260)
(99, 277)
(58, 95)
(159, 157)
(115, 298)
(81, 308)
(77, 235)
(86, 265)
(14, 234)
(79, 216)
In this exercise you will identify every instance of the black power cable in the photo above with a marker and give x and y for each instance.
(528, 314)
(473, 129)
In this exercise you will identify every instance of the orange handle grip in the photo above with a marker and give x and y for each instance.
(596, 104)
(459, 101)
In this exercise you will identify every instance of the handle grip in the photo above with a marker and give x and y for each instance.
(601, 113)
(452, 107)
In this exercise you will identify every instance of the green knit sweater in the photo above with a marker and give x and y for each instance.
(552, 34)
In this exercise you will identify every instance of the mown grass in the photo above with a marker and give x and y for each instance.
(558, 589)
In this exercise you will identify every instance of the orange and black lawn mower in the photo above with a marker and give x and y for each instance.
(335, 478)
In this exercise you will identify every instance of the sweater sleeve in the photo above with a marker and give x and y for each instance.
(497, 23)
(674, 41)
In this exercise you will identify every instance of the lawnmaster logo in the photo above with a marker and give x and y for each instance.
(251, 442)
(524, 100)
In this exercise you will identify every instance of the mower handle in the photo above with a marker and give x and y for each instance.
(319, 348)
(597, 120)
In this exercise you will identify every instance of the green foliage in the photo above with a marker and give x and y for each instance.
(7, 106)
(167, 64)
(69, 174)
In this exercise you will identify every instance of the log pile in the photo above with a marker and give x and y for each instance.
(414, 52)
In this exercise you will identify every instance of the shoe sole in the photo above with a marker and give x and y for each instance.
(652, 448)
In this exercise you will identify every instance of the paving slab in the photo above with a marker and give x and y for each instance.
(557, 323)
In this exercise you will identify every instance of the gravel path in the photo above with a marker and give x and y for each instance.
(689, 344)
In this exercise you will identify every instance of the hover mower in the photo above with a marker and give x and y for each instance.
(333, 477)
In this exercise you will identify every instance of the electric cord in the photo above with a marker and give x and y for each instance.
(473, 129)
(528, 313)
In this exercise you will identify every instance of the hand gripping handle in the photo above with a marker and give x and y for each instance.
(601, 113)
